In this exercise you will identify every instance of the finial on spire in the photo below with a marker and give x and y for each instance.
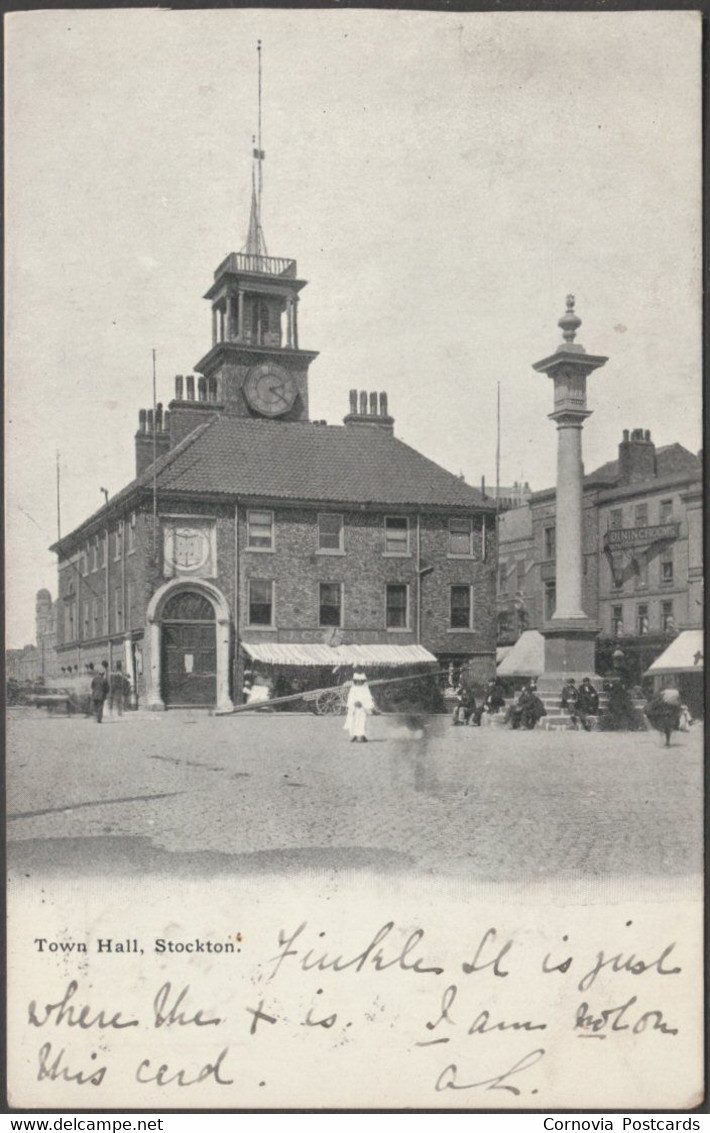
(570, 322)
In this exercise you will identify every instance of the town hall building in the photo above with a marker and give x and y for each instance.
(255, 536)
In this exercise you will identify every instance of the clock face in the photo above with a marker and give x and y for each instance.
(270, 389)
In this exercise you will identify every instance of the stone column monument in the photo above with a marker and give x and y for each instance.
(569, 634)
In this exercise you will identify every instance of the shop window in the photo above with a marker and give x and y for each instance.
(396, 603)
(460, 537)
(461, 607)
(330, 604)
(396, 535)
(261, 603)
(260, 530)
(330, 532)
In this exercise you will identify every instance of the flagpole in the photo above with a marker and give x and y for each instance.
(498, 454)
(59, 506)
(155, 470)
(258, 48)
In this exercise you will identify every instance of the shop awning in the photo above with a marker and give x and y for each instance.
(683, 655)
(526, 658)
(313, 655)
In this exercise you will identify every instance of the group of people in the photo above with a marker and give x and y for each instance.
(113, 686)
(581, 703)
(467, 711)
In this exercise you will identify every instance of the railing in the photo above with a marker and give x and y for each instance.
(618, 538)
(256, 265)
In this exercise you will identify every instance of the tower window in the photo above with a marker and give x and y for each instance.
(260, 320)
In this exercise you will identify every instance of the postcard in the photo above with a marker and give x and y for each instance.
(354, 521)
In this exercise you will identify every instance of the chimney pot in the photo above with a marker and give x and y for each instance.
(178, 387)
(166, 421)
(149, 420)
(202, 389)
(190, 384)
(141, 420)
(159, 417)
(353, 401)
(363, 403)
(647, 434)
(626, 435)
(383, 405)
(373, 404)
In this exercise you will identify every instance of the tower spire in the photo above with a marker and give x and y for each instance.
(256, 244)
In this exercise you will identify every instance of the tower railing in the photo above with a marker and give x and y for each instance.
(237, 262)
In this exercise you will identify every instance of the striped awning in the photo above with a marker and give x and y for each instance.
(313, 654)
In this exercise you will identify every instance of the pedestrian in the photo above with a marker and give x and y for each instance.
(117, 690)
(663, 712)
(569, 699)
(99, 692)
(587, 703)
(360, 705)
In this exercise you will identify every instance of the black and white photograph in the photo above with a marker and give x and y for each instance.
(354, 560)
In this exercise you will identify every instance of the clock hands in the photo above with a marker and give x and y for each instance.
(277, 392)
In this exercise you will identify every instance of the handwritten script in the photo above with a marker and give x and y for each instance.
(484, 1022)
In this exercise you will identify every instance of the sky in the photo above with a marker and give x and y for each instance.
(444, 180)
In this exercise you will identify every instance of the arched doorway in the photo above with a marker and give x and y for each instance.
(206, 622)
(189, 651)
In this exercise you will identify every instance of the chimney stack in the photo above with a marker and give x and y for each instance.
(371, 412)
(637, 457)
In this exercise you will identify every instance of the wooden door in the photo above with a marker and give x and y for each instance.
(189, 648)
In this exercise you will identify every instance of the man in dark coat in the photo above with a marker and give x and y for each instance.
(119, 687)
(569, 700)
(587, 703)
(99, 692)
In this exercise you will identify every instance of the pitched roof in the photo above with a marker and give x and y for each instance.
(302, 461)
(233, 456)
(671, 460)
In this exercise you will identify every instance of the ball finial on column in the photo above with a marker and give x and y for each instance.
(570, 323)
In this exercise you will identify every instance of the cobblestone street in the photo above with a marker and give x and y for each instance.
(187, 793)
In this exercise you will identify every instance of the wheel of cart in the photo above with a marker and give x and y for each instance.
(332, 701)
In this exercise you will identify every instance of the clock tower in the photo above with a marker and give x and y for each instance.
(255, 367)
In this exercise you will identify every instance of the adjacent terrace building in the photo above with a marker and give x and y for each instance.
(261, 536)
(641, 554)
